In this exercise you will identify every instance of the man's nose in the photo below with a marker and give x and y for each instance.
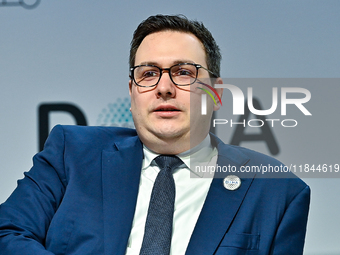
(165, 86)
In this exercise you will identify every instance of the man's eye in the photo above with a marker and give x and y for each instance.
(183, 72)
(150, 74)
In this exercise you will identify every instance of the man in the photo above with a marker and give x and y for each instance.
(100, 190)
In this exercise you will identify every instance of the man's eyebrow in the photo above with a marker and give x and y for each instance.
(173, 63)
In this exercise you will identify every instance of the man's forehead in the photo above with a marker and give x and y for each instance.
(169, 32)
(170, 46)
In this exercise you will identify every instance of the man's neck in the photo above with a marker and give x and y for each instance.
(172, 146)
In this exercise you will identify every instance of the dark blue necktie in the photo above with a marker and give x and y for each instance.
(158, 226)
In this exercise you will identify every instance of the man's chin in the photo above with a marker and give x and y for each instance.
(171, 133)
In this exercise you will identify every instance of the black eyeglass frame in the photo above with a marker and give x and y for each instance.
(198, 66)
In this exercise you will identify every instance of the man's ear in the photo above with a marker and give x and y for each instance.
(219, 92)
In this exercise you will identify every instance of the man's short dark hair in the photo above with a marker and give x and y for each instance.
(178, 23)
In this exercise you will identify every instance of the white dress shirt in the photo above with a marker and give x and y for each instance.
(191, 191)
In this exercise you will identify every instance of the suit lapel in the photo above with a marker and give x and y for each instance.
(121, 174)
(221, 205)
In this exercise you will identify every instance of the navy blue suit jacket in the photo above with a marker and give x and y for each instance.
(80, 196)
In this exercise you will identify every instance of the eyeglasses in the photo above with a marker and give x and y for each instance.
(182, 74)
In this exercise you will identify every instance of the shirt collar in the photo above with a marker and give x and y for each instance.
(200, 154)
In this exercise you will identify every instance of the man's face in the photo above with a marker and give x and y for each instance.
(162, 115)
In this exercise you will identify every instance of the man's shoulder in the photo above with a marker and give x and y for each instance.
(93, 136)
(97, 130)
(241, 155)
(255, 156)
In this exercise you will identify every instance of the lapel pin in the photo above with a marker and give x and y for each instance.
(232, 182)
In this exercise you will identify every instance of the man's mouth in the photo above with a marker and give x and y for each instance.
(166, 109)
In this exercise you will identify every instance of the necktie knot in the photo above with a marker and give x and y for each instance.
(168, 162)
